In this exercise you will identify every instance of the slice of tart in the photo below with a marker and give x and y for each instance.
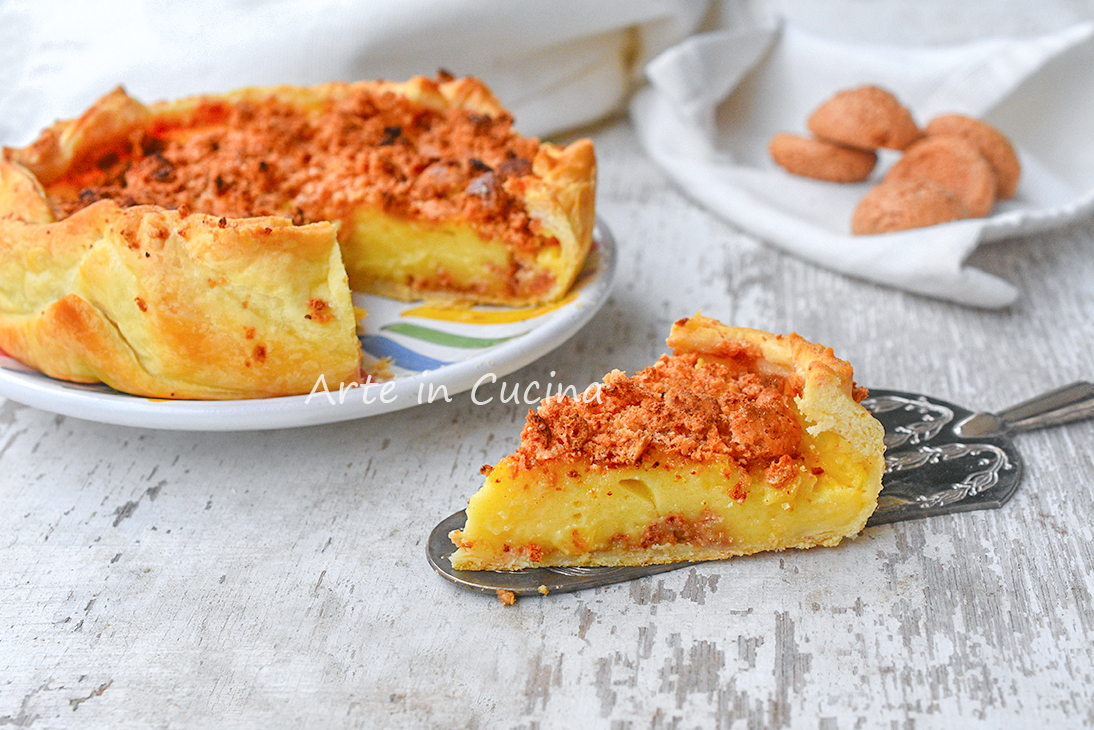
(413, 190)
(740, 441)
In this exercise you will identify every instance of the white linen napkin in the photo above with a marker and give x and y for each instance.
(714, 101)
(555, 64)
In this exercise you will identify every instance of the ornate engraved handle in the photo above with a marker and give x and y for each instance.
(941, 458)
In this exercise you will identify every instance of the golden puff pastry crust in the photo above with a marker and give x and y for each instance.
(155, 304)
(206, 247)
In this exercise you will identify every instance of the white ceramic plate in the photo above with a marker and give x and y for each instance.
(434, 352)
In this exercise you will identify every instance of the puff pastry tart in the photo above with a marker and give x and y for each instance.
(741, 441)
(206, 247)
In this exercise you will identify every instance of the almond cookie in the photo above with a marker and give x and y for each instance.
(993, 145)
(867, 117)
(897, 205)
(952, 163)
(821, 160)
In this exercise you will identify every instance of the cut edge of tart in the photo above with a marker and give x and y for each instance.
(741, 441)
(416, 190)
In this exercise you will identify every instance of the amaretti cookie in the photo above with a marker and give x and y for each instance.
(821, 160)
(991, 143)
(898, 205)
(867, 117)
(954, 164)
(955, 167)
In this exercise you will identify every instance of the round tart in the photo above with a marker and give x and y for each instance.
(206, 247)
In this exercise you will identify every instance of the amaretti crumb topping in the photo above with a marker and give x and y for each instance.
(256, 157)
(695, 407)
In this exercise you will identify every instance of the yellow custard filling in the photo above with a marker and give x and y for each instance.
(581, 514)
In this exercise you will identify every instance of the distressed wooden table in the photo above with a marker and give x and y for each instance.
(278, 579)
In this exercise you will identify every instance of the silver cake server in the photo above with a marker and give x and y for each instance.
(939, 458)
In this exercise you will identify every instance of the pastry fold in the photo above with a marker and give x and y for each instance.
(156, 304)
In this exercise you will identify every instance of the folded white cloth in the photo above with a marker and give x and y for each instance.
(555, 64)
(715, 100)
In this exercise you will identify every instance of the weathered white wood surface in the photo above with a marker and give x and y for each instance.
(278, 579)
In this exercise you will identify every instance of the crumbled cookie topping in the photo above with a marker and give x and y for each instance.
(680, 405)
(270, 157)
